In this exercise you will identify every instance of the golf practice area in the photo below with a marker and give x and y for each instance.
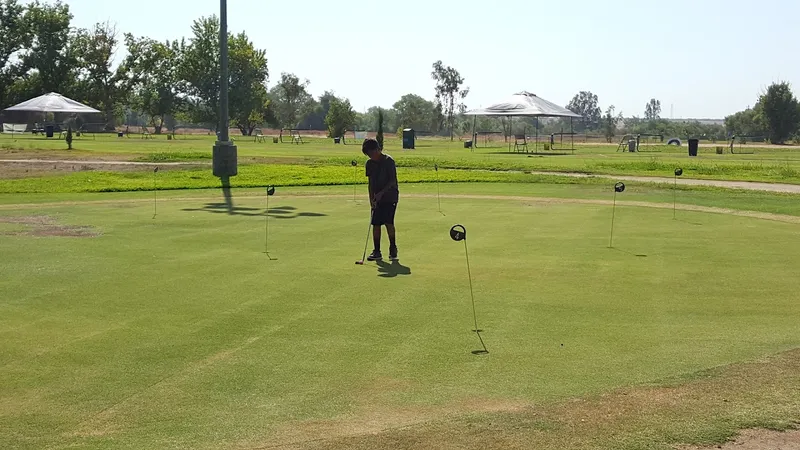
(188, 320)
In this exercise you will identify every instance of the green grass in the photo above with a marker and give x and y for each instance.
(177, 332)
(249, 176)
(773, 164)
(89, 186)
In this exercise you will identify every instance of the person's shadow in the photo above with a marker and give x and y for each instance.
(386, 270)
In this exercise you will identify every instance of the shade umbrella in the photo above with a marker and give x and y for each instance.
(53, 103)
(523, 104)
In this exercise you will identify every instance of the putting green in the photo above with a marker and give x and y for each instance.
(120, 330)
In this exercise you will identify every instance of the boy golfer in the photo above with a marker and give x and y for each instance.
(383, 196)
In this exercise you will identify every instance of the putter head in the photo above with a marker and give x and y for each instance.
(619, 187)
(353, 163)
(155, 170)
(678, 172)
(360, 262)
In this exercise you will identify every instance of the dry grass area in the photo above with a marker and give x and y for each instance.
(705, 410)
(41, 226)
(759, 439)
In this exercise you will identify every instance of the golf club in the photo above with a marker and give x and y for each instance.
(155, 193)
(354, 163)
(678, 172)
(459, 233)
(619, 187)
(438, 192)
(366, 243)
(270, 193)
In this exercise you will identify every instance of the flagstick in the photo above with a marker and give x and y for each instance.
(155, 193)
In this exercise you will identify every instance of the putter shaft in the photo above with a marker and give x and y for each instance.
(613, 213)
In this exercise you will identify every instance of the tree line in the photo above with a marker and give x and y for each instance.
(169, 83)
(163, 84)
(774, 118)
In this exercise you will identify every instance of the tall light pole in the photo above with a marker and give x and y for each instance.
(224, 155)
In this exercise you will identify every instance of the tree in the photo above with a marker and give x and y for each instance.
(247, 77)
(368, 121)
(585, 104)
(152, 78)
(379, 136)
(291, 100)
(448, 89)
(248, 97)
(199, 72)
(610, 123)
(652, 111)
(749, 122)
(340, 117)
(780, 109)
(99, 85)
(14, 36)
(50, 60)
(415, 112)
(315, 119)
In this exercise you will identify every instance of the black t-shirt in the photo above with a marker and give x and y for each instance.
(380, 174)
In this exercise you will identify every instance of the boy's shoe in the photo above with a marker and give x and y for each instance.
(375, 256)
(393, 253)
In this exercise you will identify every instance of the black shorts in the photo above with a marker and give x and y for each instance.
(383, 214)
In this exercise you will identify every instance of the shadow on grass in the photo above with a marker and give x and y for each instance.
(281, 212)
(386, 270)
(678, 219)
(640, 255)
(226, 193)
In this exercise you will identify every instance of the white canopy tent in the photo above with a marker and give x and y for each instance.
(523, 104)
(53, 103)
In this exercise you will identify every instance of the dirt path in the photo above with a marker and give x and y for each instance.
(90, 162)
(24, 168)
(748, 185)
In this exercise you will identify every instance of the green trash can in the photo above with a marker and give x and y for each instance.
(408, 138)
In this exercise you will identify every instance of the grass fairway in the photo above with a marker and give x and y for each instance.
(770, 164)
(178, 332)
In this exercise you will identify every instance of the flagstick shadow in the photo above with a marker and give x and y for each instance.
(640, 255)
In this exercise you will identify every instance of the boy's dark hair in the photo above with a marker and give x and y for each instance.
(369, 145)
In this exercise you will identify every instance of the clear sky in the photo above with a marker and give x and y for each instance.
(706, 58)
